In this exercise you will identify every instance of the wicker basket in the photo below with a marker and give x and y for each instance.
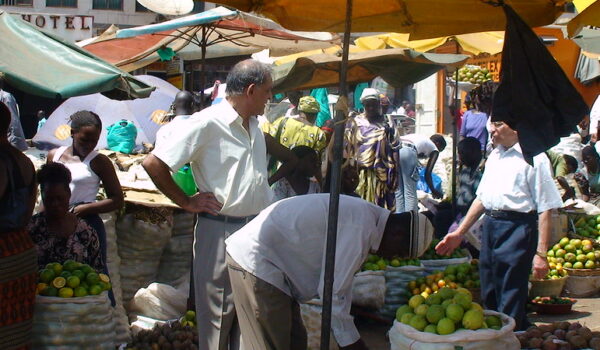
(583, 272)
(547, 288)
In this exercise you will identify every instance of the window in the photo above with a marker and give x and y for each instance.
(140, 8)
(107, 4)
(16, 2)
(61, 3)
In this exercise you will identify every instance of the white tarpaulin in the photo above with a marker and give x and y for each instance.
(56, 131)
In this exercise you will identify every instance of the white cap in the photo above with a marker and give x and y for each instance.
(369, 94)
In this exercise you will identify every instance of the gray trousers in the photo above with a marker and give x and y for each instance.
(218, 328)
(269, 318)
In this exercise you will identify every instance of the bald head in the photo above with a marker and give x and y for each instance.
(244, 74)
(184, 103)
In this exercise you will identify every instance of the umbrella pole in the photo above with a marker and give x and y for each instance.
(455, 114)
(334, 197)
(203, 60)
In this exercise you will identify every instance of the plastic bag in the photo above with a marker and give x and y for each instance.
(140, 244)
(73, 323)
(159, 301)
(368, 289)
(431, 266)
(582, 286)
(121, 136)
(396, 294)
(113, 263)
(404, 337)
(185, 180)
(311, 317)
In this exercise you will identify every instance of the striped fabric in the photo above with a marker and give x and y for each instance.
(18, 275)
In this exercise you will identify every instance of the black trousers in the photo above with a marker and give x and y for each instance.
(507, 250)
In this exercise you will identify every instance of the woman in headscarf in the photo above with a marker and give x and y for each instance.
(588, 179)
(371, 141)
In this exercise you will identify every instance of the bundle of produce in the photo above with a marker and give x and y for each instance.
(587, 226)
(450, 317)
(72, 309)
(176, 259)
(142, 234)
(454, 276)
(559, 336)
(552, 305)
(573, 254)
(472, 74)
(71, 280)
(169, 335)
(434, 262)
(113, 262)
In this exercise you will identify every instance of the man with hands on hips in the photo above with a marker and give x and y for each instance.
(517, 200)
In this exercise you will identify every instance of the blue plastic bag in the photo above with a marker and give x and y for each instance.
(121, 136)
(422, 185)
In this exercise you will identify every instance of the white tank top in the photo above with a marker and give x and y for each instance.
(84, 182)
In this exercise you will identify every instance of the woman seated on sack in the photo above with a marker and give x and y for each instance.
(588, 179)
(58, 233)
(88, 169)
(300, 181)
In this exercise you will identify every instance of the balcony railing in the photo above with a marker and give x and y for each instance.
(16, 2)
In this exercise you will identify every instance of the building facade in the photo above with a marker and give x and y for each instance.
(80, 19)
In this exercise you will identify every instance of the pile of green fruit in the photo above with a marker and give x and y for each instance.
(165, 337)
(71, 279)
(572, 254)
(189, 319)
(376, 263)
(430, 253)
(454, 276)
(445, 312)
(473, 74)
(588, 226)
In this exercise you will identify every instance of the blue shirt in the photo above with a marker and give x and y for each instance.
(473, 125)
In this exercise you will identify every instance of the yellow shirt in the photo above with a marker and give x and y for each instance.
(225, 159)
(295, 132)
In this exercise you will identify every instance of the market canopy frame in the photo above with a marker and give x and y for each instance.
(68, 70)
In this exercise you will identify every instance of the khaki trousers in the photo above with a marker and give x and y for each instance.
(269, 319)
(217, 324)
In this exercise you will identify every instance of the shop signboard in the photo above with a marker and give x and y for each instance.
(492, 63)
(69, 27)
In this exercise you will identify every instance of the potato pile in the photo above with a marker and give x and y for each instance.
(560, 336)
(166, 337)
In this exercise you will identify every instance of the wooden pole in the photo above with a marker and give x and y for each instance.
(334, 197)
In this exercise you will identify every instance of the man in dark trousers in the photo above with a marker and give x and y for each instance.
(517, 200)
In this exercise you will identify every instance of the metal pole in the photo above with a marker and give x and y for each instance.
(203, 60)
(334, 197)
(455, 111)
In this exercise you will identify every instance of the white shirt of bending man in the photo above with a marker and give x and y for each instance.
(288, 251)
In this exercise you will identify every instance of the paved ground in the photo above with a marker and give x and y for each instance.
(586, 312)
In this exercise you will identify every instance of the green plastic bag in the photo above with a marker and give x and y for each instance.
(121, 136)
(185, 180)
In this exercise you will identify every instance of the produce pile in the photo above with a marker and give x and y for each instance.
(181, 335)
(560, 336)
(71, 279)
(473, 74)
(553, 300)
(454, 276)
(445, 312)
(376, 263)
(430, 253)
(572, 253)
(588, 226)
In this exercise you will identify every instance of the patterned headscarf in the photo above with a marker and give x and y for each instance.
(309, 104)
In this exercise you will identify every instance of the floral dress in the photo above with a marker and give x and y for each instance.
(82, 246)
